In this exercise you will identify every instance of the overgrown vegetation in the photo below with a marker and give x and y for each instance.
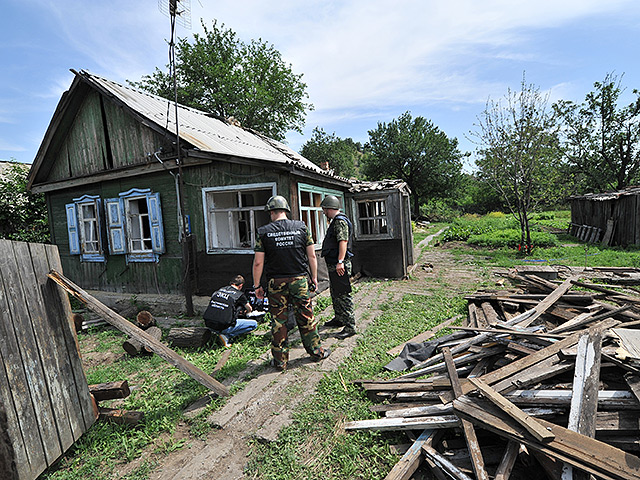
(23, 216)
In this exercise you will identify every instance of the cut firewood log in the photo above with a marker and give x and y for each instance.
(145, 320)
(121, 417)
(111, 390)
(193, 337)
(134, 347)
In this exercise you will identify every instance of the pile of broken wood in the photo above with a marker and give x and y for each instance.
(539, 382)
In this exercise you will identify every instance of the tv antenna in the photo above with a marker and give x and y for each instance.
(180, 10)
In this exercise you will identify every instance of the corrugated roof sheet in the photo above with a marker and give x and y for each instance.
(602, 197)
(379, 185)
(203, 131)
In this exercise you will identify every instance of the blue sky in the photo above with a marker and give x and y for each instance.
(364, 61)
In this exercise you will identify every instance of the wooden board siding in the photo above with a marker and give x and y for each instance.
(129, 140)
(42, 385)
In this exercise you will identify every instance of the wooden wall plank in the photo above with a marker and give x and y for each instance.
(20, 291)
(45, 341)
(60, 308)
(16, 377)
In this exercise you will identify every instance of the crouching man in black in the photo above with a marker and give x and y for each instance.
(221, 315)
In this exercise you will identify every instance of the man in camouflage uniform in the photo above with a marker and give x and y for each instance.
(284, 251)
(336, 252)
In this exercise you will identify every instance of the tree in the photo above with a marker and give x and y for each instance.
(416, 151)
(23, 216)
(518, 153)
(601, 140)
(220, 74)
(342, 155)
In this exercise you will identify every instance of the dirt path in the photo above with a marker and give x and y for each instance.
(266, 403)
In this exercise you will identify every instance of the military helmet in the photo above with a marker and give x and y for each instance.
(331, 201)
(277, 202)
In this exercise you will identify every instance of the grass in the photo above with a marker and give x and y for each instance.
(315, 446)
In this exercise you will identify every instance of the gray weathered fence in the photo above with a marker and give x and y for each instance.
(43, 390)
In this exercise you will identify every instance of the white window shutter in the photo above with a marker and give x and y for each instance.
(72, 228)
(155, 219)
(115, 226)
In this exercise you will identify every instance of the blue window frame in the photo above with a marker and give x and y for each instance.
(84, 228)
(134, 225)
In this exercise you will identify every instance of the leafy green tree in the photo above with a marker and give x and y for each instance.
(601, 140)
(23, 216)
(220, 74)
(518, 153)
(341, 155)
(416, 151)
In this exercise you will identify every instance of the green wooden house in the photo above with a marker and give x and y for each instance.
(110, 168)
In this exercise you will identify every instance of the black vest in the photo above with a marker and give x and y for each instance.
(285, 247)
(330, 242)
(221, 312)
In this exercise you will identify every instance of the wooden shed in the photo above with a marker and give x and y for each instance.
(612, 218)
(108, 166)
(45, 404)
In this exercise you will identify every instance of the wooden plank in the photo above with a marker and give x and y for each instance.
(223, 360)
(586, 383)
(21, 419)
(525, 362)
(419, 423)
(503, 472)
(434, 456)
(545, 304)
(56, 374)
(529, 423)
(411, 460)
(467, 427)
(28, 357)
(634, 384)
(515, 333)
(579, 450)
(127, 327)
(59, 314)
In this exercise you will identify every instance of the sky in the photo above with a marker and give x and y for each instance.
(365, 62)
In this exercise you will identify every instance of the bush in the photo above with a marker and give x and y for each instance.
(511, 238)
(468, 225)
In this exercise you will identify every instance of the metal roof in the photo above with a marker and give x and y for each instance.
(379, 185)
(603, 197)
(204, 131)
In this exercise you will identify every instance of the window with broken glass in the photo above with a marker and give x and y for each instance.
(233, 215)
(372, 217)
(310, 198)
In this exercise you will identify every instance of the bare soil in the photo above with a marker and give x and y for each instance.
(265, 405)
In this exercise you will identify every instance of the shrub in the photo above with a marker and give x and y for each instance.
(511, 238)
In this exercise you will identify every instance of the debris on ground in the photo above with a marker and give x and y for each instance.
(540, 381)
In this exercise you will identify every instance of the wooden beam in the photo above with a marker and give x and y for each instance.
(503, 472)
(411, 460)
(529, 423)
(467, 427)
(586, 453)
(147, 340)
(441, 462)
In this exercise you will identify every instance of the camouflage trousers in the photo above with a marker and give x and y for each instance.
(282, 293)
(342, 300)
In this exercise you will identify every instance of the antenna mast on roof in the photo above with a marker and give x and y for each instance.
(179, 11)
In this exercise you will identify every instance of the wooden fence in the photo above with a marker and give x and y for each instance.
(43, 390)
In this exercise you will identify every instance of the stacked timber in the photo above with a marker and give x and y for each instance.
(542, 381)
